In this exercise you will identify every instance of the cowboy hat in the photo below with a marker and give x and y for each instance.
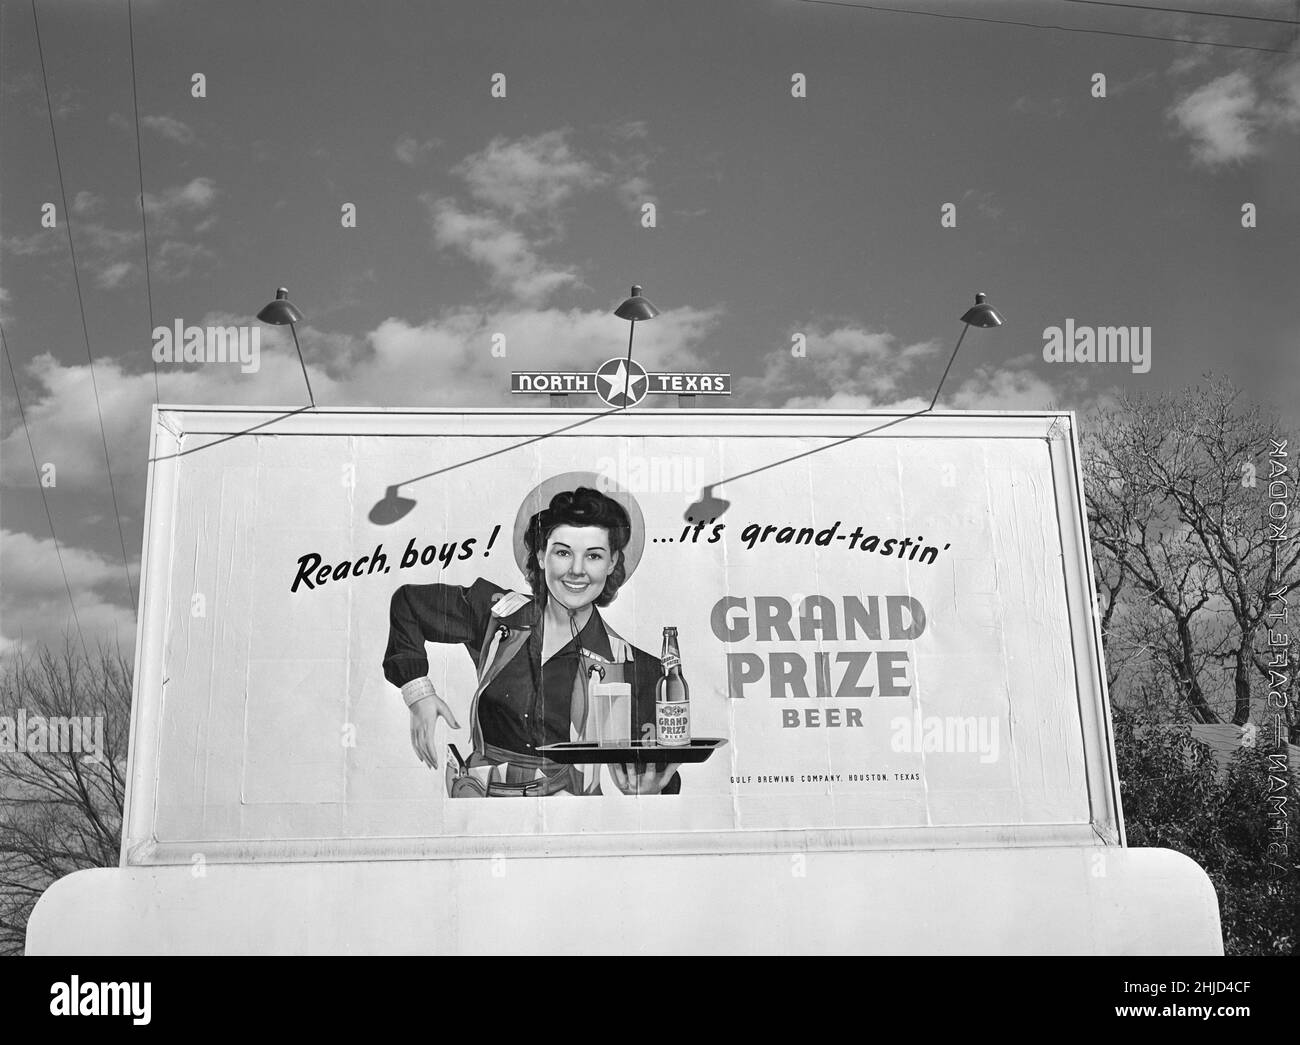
(539, 498)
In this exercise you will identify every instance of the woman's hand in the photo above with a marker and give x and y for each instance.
(650, 781)
(424, 718)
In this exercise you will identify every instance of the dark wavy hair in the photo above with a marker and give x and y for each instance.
(583, 507)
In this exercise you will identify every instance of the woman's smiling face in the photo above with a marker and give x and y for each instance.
(576, 562)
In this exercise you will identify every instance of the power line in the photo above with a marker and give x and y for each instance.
(1181, 11)
(1037, 25)
(85, 330)
(139, 166)
(41, 487)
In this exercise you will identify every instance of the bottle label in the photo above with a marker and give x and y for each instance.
(670, 661)
(673, 723)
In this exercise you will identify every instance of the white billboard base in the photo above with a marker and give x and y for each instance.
(1071, 900)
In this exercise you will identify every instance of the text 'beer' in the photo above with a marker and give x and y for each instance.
(672, 697)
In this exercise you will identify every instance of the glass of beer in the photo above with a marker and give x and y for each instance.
(610, 723)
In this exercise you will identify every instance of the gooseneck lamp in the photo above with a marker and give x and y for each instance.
(282, 311)
(635, 309)
(981, 314)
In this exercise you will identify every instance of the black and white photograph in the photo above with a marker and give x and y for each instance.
(832, 465)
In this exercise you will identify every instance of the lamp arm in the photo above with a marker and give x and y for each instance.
(631, 329)
(965, 327)
(293, 327)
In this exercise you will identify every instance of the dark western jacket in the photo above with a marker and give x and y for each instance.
(526, 705)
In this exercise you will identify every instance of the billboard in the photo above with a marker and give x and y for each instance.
(393, 633)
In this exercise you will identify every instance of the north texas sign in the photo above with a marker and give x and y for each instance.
(619, 382)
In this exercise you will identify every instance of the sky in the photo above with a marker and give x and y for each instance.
(798, 160)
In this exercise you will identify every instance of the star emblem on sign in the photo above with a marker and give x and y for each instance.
(621, 383)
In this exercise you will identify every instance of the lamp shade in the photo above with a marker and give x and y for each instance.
(281, 310)
(982, 314)
(636, 308)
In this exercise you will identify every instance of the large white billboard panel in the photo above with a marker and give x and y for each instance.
(885, 624)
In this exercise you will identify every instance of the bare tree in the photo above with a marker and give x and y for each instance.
(1179, 522)
(1213, 448)
(1155, 588)
(61, 810)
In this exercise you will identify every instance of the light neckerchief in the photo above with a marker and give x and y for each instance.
(578, 706)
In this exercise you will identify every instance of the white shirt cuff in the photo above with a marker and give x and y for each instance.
(417, 689)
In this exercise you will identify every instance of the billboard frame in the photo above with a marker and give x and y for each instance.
(172, 425)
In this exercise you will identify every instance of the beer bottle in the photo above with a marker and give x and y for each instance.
(672, 697)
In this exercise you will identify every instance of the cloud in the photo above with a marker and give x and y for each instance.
(114, 257)
(1191, 59)
(1235, 117)
(91, 237)
(846, 366)
(34, 603)
(853, 368)
(98, 237)
(112, 275)
(1220, 118)
(34, 243)
(529, 177)
(635, 190)
(1188, 58)
(101, 249)
(176, 260)
(519, 190)
(85, 203)
(1005, 388)
(630, 165)
(512, 263)
(411, 150)
(196, 196)
(169, 128)
(64, 425)
(1282, 108)
(63, 100)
